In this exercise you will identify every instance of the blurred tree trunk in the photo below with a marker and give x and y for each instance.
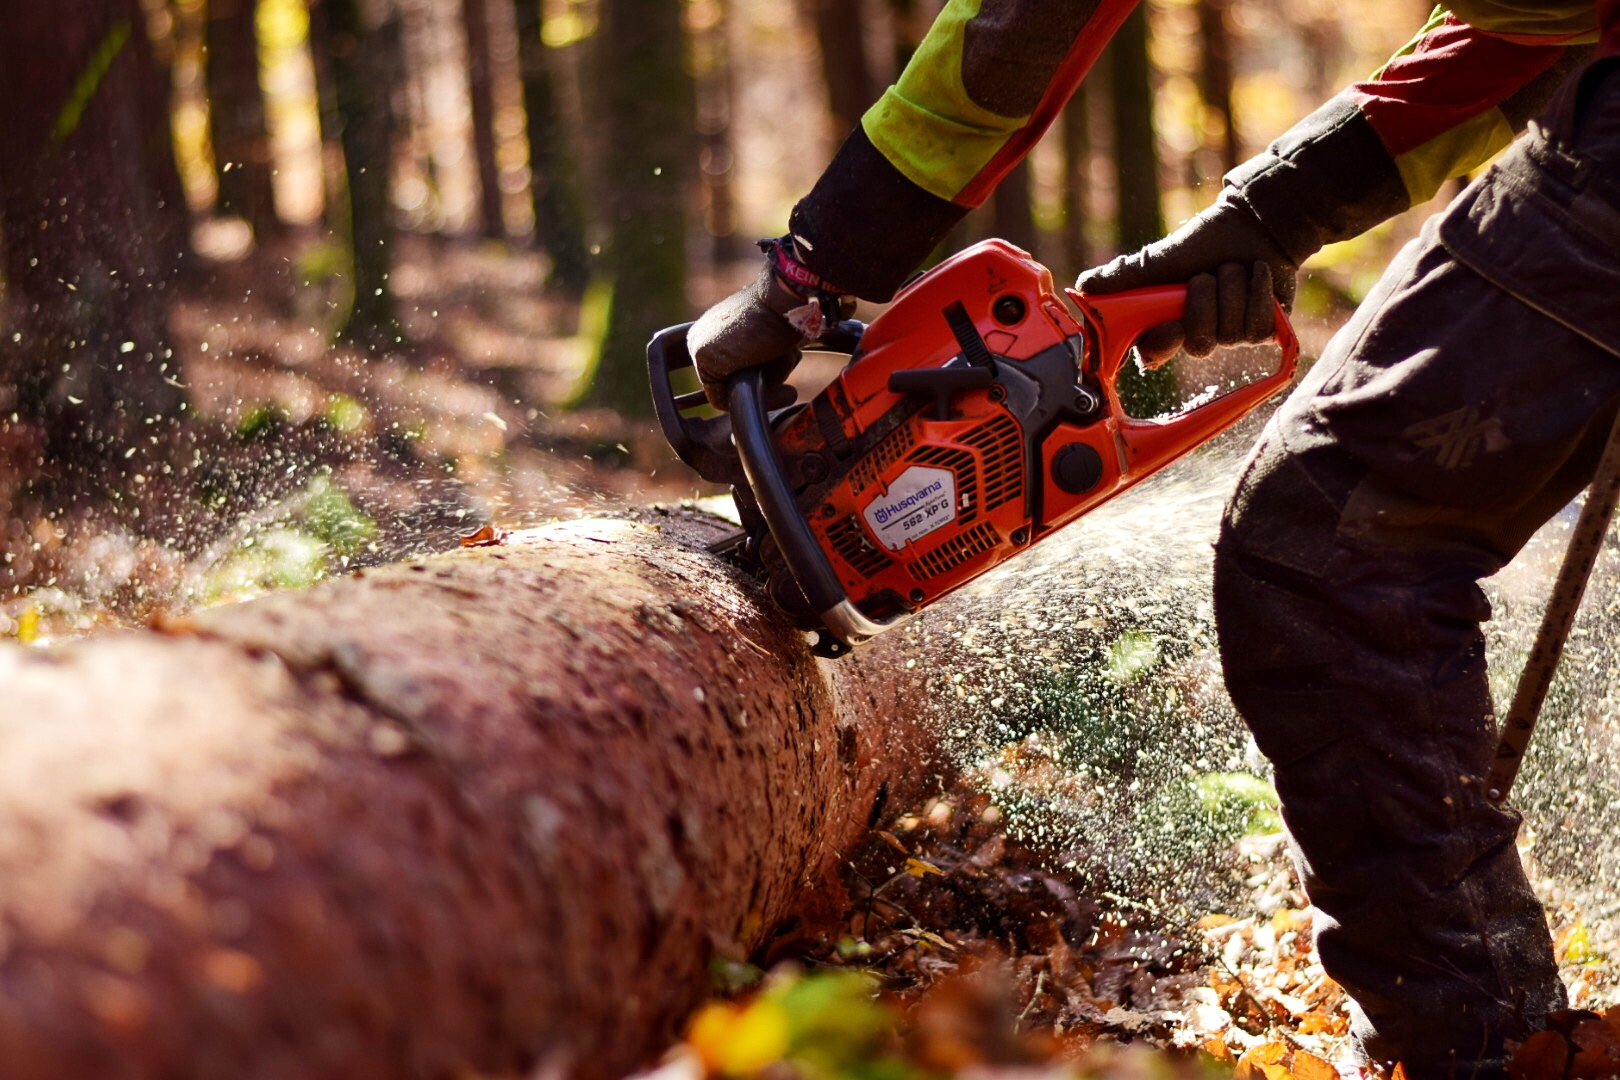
(1215, 75)
(363, 46)
(1076, 130)
(840, 31)
(1140, 218)
(554, 187)
(712, 68)
(171, 229)
(481, 97)
(1136, 152)
(1013, 211)
(236, 120)
(906, 27)
(88, 355)
(646, 102)
(322, 63)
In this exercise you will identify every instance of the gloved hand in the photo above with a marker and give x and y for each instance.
(1232, 268)
(761, 325)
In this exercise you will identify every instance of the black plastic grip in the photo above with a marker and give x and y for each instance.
(751, 432)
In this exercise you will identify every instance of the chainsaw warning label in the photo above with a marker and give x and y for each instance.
(916, 504)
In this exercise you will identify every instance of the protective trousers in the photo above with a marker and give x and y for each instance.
(1464, 405)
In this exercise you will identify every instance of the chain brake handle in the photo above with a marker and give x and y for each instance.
(1118, 321)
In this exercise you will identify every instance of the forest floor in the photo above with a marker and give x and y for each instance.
(310, 461)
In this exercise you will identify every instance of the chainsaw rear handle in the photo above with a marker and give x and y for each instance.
(1120, 319)
(751, 432)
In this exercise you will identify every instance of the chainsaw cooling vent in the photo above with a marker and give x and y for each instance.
(856, 549)
(959, 462)
(884, 454)
(982, 537)
(1001, 443)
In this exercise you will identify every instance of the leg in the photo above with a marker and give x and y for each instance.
(1417, 457)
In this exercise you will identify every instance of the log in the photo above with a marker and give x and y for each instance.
(483, 813)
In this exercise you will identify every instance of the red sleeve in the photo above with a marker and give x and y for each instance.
(1451, 75)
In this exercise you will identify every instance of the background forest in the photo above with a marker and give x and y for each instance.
(296, 285)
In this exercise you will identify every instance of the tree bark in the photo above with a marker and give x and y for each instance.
(481, 97)
(1139, 214)
(841, 35)
(1140, 219)
(154, 61)
(236, 119)
(645, 96)
(1216, 77)
(485, 812)
(1076, 185)
(1013, 211)
(364, 51)
(554, 185)
(87, 356)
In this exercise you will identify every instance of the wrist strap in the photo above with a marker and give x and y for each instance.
(824, 301)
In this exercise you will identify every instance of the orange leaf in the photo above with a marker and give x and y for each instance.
(1307, 1066)
(488, 536)
(1598, 1042)
(1543, 1056)
(1263, 1062)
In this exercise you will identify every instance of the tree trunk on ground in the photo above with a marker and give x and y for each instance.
(646, 101)
(243, 164)
(554, 187)
(363, 49)
(481, 98)
(479, 813)
(87, 356)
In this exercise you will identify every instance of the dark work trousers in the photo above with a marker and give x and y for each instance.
(1464, 405)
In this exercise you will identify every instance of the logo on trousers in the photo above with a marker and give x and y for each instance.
(1457, 437)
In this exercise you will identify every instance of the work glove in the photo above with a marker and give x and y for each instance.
(1233, 270)
(764, 324)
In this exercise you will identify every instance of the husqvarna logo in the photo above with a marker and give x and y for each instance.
(919, 501)
(883, 513)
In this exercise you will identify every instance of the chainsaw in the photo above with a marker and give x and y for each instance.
(977, 415)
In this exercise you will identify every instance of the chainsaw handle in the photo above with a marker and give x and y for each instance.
(1119, 320)
(751, 433)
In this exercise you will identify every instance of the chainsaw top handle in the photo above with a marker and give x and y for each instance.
(704, 441)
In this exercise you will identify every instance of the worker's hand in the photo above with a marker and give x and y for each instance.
(763, 324)
(1232, 268)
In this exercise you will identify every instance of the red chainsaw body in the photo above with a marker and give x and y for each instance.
(912, 495)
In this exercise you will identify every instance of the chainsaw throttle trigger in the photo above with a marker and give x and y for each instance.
(942, 383)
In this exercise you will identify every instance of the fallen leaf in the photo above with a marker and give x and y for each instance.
(1543, 1056)
(1307, 1066)
(921, 868)
(488, 536)
(1263, 1062)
